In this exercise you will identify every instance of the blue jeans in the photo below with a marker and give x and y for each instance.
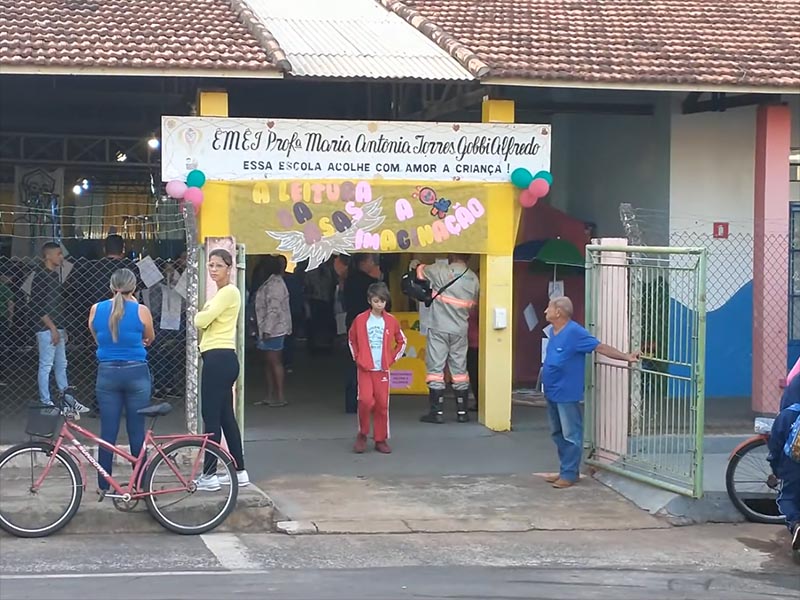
(51, 357)
(121, 384)
(566, 428)
(789, 502)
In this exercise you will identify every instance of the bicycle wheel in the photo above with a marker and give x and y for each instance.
(182, 508)
(746, 480)
(30, 513)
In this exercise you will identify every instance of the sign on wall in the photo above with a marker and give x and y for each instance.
(313, 220)
(234, 149)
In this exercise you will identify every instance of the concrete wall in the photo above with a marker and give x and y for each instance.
(615, 159)
(712, 180)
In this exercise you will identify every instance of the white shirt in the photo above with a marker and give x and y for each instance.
(375, 329)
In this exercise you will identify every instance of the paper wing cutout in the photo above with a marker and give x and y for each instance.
(338, 243)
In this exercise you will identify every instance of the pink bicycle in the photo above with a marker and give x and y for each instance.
(41, 482)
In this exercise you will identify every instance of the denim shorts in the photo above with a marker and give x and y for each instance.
(274, 344)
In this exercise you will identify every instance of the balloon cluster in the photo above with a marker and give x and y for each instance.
(533, 186)
(190, 190)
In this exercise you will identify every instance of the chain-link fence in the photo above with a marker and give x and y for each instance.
(743, 322)
(151, 241)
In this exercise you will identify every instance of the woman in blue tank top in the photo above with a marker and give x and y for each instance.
(123, 329)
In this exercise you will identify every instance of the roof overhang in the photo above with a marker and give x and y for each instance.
(634, 86)
(139, 72)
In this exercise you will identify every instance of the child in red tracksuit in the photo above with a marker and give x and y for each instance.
(376, 342)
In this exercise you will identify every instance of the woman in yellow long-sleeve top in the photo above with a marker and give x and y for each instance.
(217, 324)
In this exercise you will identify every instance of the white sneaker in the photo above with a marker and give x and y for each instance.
(80, 407)
(241, 477)
(75, 405)
(208, 483)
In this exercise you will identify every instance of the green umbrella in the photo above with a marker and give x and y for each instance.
(557, 255)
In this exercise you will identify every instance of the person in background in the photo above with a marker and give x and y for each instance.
(168, 309)
(473, 358)
(363, 271)
(447, 338)
(217, 324)
(320, 290)
(791, 393)
(47, 304)
(376, 343)
(90, 280)
(274, 317)
(786, 469)
(341, 265)
(6, 319)
(563, 376)
(88, 283)
(122, 329)
(295, 282)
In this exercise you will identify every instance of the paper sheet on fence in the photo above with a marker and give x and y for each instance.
(149, 271)
(170, 309)
(531, 319)
(555, 289)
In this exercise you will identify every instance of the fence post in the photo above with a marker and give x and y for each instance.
(700, 375)
(241, 273)
(590, 402)
(195, 294)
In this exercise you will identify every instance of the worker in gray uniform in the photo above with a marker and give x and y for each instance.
(447, 341)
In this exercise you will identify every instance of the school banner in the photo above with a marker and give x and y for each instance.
(240, 149)
(313, 220)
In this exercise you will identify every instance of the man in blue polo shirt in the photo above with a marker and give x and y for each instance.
(563, 378)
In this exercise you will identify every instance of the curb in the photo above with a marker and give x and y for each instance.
(254, 513)
(398, 526)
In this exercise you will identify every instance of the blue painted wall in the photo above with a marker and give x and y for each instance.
(729, 344)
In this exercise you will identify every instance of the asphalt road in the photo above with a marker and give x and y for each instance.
(707, 562)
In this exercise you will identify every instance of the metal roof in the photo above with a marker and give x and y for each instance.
(353, 38)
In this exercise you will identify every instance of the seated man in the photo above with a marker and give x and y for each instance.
(787, 469)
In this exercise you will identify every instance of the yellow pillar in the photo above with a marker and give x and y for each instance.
(496, 347)
(214, 218)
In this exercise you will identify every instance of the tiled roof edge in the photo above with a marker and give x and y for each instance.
(264, 36)
(447, 42)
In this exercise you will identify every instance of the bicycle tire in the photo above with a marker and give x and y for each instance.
(746, 509)
(148, 484)
(77, 486)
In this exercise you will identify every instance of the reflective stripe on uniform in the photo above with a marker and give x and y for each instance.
(457, 302)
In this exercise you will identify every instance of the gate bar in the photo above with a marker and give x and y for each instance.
(645, 249)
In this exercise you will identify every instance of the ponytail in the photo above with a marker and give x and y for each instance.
(117, 310)
(123, 282)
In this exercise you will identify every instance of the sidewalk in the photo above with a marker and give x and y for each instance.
(440, 478)
(253, 512)
(449, 504)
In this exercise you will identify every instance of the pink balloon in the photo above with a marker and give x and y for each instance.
(176, 189)
(195, 196)
(527, 200)
(539, 188)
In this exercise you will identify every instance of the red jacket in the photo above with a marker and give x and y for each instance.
(394, 342)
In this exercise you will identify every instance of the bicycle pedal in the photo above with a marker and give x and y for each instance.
(101, 495)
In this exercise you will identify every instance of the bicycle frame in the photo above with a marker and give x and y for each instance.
(140, 463)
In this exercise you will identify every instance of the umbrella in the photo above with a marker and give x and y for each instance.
(558, 254)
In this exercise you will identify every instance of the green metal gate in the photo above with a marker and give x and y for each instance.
(646, 421)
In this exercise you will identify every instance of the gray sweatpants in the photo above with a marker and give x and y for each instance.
(450, 349)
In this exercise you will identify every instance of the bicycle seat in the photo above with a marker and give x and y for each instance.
(156, 410)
